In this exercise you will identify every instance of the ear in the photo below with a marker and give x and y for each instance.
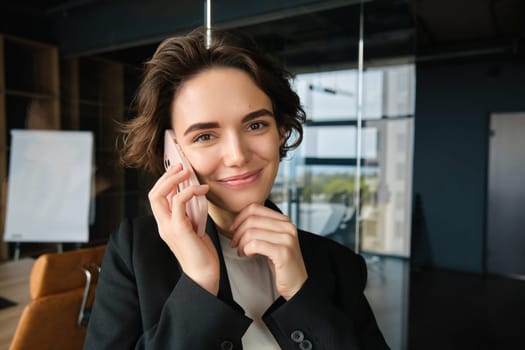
(282, 136)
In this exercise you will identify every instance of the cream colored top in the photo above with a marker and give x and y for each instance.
(253, 289)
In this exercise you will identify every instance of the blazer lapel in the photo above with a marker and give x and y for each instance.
(225, 292)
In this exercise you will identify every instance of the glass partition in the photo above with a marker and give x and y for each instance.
(351, 178)
(324, 167)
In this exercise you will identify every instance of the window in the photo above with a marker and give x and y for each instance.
(317, 182)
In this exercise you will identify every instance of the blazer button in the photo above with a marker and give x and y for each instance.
(297, 336)
(226, 345)
(305, 345)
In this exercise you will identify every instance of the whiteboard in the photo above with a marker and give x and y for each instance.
(49, 186)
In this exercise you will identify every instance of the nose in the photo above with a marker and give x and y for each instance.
(236, 151)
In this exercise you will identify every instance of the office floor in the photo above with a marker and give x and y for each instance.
(441, 309)
(387, 292)
(454, 310)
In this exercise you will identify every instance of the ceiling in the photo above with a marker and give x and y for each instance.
(303, 33)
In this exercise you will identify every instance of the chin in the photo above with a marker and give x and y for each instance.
(236, 202)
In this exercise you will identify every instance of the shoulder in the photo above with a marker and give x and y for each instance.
(139, 224)
(133, 231)
(322, 253)
(137, 239)
(318, 247)
(310, 241)
(324, 250)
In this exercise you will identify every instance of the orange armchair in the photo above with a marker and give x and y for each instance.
(62, 287)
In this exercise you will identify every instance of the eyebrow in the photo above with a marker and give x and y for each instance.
(246, 118)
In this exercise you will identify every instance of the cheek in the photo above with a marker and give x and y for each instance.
(269, 153)
(269, 148)
(203, 163)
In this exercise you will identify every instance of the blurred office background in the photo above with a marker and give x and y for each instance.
(413, 148)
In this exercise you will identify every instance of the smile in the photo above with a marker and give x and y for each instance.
(241, 180)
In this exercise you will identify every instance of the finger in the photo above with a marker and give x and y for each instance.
(169, 181)
(159, 196)
(166, 185)
(171, 170)
(256, 209)
(178, 202)
(178, 229)
(287, 265)
(263, 247)
(262, 223)
(279, 239)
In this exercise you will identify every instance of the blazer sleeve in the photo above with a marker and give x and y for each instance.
(190, 318)
(328, 313)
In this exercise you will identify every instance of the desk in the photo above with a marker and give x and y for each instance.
(14, 285)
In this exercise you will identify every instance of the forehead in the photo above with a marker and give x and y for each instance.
(217, 94)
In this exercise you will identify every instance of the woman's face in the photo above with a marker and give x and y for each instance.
(225, 125)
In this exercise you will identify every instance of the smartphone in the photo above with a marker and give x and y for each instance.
(196, 207)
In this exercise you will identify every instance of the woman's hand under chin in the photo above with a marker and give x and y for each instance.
(196, 254)
(261, 230)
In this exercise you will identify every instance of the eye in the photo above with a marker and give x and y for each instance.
(202, 138)
(257, 125)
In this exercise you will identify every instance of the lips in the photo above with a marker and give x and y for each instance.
(242, 179)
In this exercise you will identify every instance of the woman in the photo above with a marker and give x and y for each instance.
(254, 280)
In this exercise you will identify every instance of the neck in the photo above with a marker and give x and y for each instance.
(222, 218)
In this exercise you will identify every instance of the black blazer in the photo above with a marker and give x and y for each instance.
(144, 301)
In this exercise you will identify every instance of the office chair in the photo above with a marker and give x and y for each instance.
(62, 287)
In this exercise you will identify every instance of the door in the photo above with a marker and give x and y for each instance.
(506, 195)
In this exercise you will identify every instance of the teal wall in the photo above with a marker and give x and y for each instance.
(453, 106)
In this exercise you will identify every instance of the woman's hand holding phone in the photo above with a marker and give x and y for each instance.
(197, 206)
(196, 253)
(261, 230)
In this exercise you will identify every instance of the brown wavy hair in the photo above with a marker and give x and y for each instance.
(177, 60)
